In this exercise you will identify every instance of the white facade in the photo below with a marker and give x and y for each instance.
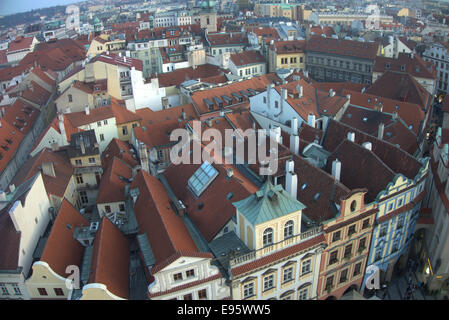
(250, 70)
(145, 95)
(216, 289)
(439, 55)
(105, 131)
(30, 218)
(394, 47)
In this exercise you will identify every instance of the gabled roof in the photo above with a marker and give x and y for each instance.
(227, 39)
(213, 209)
(409, 63)
(400, 86)
(176, 77)
(269, 203)
(267, 32)
(21, 116)
(364, 50)
(117, 60)
(19, 44)
(10, 139)
(166, 232)
(36, 93)
(62, 249)
(113, 181)
(247, 58)
(110, 259)
(80, 118)
(121, 150)
(288, 47)
(53, 185)
(410, 113)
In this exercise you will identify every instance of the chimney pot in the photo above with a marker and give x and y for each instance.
(336, 169)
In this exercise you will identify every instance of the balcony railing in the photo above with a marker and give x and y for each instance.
(276, 247)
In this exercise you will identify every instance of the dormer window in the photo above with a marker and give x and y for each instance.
(288, 229)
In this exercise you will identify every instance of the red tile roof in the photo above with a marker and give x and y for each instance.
(411, 113)
(247, 58)
(62, 249)
(319, 30)
(11, 72)
(364, 50)
(214, 200)
(121, 150)
(115, 59)
(21, 116)
(36, 93)
(10, 139)
(53, 185)
(401, 87)
(227, 39)
(288, 47)
(112, 185)
(264, 32)
(78, 119)
(166, 232)
(415, 66)
(176, 77)
(123, 115)
(110, 259)
(156, 126)
(10, 239)
(19, 44)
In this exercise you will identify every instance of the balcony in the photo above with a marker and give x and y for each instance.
(256, 254)
(125, 79)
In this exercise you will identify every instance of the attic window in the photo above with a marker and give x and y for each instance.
(317, 196)
(304, 186)
(229, 195)
(69, 226)
(200, 206)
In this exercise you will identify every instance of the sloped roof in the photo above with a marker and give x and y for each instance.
(113, 182)
(288, 47)
(176, 77)
(53, 185)
(62, 249)
(118, 149)
(415, 65)
(364, 50)
(166, 232)
(246, 58)
(20, 43)
(10, 139)
(270, 202)
(110, 259)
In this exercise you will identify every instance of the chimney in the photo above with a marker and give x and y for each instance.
(48, 169)
(351, 136)
(299, 89)
(336, 169)
(311, 120)
(367, 145)
(12, 187)
(294, 144)
(284, 95)
(229, 172)
(87, 110)
(2, 195)
(294, 126)
(62, 129)
(143, 155)
(380, 131)
(291, 179)
(269, 95)
(83, 148)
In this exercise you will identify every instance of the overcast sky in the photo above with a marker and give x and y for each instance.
(14, 6)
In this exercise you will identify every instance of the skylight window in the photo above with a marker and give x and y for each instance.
(202, 178)
(304, 186)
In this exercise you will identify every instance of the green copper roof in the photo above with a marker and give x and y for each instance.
(270, 202)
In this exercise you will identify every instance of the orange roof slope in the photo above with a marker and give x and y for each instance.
(166, 232)
(110, 259)
(62, 249)
(112, 185)
(10, 139)
(53, 185)
(121, 150)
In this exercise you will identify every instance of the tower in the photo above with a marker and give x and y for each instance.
(208, 16)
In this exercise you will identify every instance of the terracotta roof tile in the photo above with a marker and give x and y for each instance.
(166, 232)
(227, 39)
(20, 43)
(21, 116)
(62, 249)
(78, 119)
(36, 94)
(53, 185)
(415, 66)
(365, 50)
(10, 139)
(288, 47)
(121, 150)
(113, 181)
(115, 59)
(110, 259)
(10, 239)
(247, 58)
(175, 78)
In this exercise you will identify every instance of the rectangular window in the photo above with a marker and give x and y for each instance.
(333, 257)
(190, 273)
(248, 290)
(362, 244)
(101, 137)
(303, 294)
(188, 296)
(348, 251)
(344, 276)
(59, 292)
(268, 282)
(16, 288)
(336, 236)
(83, 197)
(306, 266)
(287, 275)
(99, 124)
(79, 178)
(351, 230)
(42, 291)
(365, 224)
(202, 294)
(91, 160)
(121, 207)
(329, 282)
(383, 230)
(4, 289)
(70, 98)
(105, 122)
(107, 209)
(78, 162)
(357, 269)
(177, 276)
(378, 254)
(125, 130)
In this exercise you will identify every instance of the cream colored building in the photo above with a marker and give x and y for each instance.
(104, 43)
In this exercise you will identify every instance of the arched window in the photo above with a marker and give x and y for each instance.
(268, 237)
(288, 229)
(353, 205)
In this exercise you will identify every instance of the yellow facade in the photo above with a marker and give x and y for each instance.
(43, 277)
(124, 130)
(286, 61)
(97, 291)
(97, 47)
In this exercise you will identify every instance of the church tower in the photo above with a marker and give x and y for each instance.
(208, 16)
